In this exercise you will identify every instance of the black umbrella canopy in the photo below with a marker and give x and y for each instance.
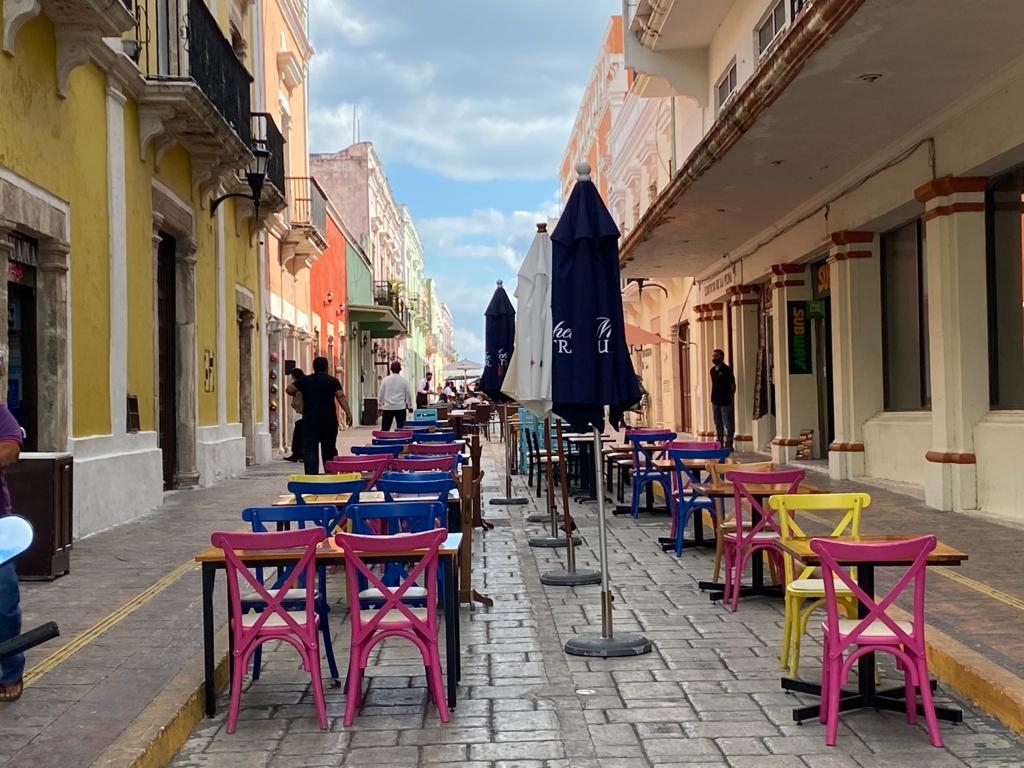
(591, 367)
(499, 341)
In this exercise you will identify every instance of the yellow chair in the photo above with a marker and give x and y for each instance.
(725, 523)
(339, 478)
(805, 585)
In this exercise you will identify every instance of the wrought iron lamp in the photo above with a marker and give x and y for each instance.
(256, 175)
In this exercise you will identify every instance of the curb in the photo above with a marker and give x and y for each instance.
(153, 738)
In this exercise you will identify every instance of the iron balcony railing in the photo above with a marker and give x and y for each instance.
(181, 40)
(265, 135)
(307, 203)
(385, 295)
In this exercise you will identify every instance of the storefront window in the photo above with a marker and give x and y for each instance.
(1004, 224)
(905, 319)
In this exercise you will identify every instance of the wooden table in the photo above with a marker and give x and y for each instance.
(212, 560)
(760, 491)
(377, 497)
(866, 695)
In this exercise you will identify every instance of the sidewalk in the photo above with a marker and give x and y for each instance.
(708, 694)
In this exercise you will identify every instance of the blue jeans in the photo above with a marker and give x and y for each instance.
(10, 622)
(725, 424)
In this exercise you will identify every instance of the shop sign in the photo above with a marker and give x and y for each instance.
(816, 309)
(717, 286)
(820, 288)
(799, 337)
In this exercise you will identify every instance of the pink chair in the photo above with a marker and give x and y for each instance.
(743, 542)
(297, 627)
(875, 630)
(426, 464)
(371, 467)
(693, 445)
(393, 617)
(397, 434)
(434, 449)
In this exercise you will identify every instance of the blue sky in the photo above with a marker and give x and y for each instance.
(469, 104)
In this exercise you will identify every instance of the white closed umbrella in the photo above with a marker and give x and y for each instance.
(528, 379)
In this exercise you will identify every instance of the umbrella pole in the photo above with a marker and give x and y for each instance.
(509, 498)
(606, 644)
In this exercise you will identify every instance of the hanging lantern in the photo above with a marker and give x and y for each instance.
(273, 357)
(273, 406)
(273, 373)
(273, 425)
(273, 389)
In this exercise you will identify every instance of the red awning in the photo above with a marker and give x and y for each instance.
(638, 337)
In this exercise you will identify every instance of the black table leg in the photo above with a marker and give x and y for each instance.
(451, 630)
(208, 664)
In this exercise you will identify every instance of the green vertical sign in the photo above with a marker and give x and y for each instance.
(799, 334)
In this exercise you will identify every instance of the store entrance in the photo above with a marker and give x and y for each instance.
(820, 312)
(22, 376)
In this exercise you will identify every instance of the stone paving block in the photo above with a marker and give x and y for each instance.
(768, 761)
(527, 721)
(619, 734)
(651, 714)
(531, 750)
(444, 734)
(741, 746)
(444, 753)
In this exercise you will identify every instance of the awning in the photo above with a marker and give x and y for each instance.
(380, 321)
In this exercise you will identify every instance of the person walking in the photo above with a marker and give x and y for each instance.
(297, 449)
(723, 393)
(394, 398)
(423, 390)
(322, 395)
(13, 666)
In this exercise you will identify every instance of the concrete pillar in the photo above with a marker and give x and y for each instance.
(856, 301)
(703, 419)
(958, 334)
(6, 250)
(796, 396)
(743, 305)
(187, 474)
(52, 344)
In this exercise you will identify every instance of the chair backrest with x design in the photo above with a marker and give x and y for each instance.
(395, 516)
(370, 468)
(753, 488)
(647, 445)
(683, 476)
(836, 556)
(274, 620)
(434, 449)
(352, 484)
(790, 509)
(324, 516)
(392, 607)
(438, 488)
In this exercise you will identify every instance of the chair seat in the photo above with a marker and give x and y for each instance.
(249, 619)
(412, 593)
(730, 525)
(250, 598)
(814, 585)
(760, 536)
(394, 616)
(876, 630)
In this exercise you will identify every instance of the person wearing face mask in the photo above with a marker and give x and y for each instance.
(723, 394)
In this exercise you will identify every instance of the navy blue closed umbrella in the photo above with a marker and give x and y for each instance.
(591, 368)
(499, 341)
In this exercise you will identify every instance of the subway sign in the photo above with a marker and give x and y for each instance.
(799, 337)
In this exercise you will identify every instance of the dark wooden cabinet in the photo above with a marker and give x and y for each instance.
(41, 490)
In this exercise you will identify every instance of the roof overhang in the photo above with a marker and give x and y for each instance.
(809, 120)
(380, 321)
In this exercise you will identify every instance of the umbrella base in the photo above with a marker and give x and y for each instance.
(628, 644)
(563, 578)
(515, 501)
(553, 541)
(538, 517)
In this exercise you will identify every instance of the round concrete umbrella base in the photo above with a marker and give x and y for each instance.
(562, 578)
(627, 644)
(538, 517)
(515, 501)
(552, 541)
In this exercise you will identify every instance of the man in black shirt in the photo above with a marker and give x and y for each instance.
(723, 391)
(321, 396)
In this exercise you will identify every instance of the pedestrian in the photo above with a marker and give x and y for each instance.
(448, 393)
(394, 398)
(423, 390)
(723, 393)
(12, 667)
(322, 395)
(297, 449)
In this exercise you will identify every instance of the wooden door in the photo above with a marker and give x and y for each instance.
(167, 354)
(685, 395)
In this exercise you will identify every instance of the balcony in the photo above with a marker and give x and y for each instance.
(307, 217)
(196, 90)
(386, 294)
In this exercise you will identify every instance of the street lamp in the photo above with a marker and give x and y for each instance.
(256, 175)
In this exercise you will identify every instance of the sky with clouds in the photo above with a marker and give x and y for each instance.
(469, 104)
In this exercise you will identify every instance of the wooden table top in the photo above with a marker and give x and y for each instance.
(725, 489)
(366, 497)
(800, 548)
(326, 551)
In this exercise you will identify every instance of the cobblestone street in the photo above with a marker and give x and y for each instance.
(708, 695)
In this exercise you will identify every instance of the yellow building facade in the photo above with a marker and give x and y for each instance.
(134, 314)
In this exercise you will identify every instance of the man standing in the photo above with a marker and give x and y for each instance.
(393, 398)
(322, 395)
(723, 392)
(10, 597)
(423, 390)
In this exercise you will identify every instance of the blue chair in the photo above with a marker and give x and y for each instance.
(645, 446)
(307, 515)
(435, 437)
(431, 474)
(439, 488)
(684, 500)
(425, 414)
(376, 450)
(419, 424)
(392, 440)
(299, 488)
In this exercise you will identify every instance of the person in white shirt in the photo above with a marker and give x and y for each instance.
(394, 399)
(423, 390)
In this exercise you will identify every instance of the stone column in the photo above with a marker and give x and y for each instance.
(52, 345)
(155, 240)
(6, 249)
(186, 475)
(246, 323)
(958, 335)
(703, 420)
(743, 305)
(856, 303)
(796, 396)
